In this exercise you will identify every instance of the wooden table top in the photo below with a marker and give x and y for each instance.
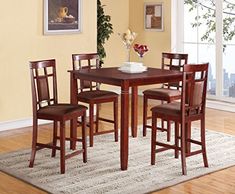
(112, 75)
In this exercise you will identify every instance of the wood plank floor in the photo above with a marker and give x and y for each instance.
(215, 183)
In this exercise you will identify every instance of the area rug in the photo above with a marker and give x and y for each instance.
(102, 174)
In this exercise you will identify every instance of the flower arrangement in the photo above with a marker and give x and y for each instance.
(127, 38)
(140, 49)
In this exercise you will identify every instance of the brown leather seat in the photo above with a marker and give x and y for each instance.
(46, 106)
(96, 95)
(163, 93)
(168, 92)
(191, 108)
(89, 92)
(173, 109)
(59, 110)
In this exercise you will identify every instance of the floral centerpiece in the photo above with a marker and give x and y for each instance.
(135, 67)
(140, 49)
(127, 38)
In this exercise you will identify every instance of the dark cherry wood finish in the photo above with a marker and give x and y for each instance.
(46, 106)
(115, 77)
(191, 108)
(89, 92)
(168, 92)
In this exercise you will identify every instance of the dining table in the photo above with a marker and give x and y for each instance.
(126, 81)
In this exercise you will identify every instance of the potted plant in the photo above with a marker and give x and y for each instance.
(104, 30)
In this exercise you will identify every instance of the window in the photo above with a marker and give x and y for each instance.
(205, 29)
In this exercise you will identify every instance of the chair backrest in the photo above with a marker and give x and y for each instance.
(86, 62)
(43, 82)
(173, 61)
(194, 88)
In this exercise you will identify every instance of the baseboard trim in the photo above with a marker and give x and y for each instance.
(224, 106)
(8, 125)
(27, 122)
(214, 104)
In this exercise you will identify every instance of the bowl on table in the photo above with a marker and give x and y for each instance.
(132, 67)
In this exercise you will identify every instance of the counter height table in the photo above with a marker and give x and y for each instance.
(113, 76)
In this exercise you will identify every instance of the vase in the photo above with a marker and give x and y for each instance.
(141, 59)
(128, 54)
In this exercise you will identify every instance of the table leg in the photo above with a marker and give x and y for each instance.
(188, 136)
(73, 133)
(124, 127)
(73, 100)
(134, 109)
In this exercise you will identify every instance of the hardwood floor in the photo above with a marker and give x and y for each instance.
(215, 183)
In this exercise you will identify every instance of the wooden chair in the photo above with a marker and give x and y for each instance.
(89, 92)
(191, 108)
(46, 106)
(168, 92)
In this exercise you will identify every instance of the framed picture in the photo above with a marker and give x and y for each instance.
(153, 16)
(62, 16)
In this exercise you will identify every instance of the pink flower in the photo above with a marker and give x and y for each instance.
(140, 49)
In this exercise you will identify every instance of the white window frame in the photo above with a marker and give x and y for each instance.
(177, 38)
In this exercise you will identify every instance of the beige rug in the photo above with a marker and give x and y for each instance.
(102, 174)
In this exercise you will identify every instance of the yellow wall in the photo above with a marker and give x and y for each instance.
(119, 12)
(115, 50)
(157, 42)
(22, 40)
(130, 14)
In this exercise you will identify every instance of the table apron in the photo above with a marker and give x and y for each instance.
(99, 80)
(130, 83)
(155, 81)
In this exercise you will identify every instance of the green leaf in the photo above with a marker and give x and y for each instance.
(208, 17)
(104, 30)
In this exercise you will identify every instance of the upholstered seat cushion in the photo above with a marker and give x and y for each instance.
(59, 111)
(163, 93)
(94, 95)
(172, 109)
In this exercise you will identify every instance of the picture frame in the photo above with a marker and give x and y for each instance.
(62, 16)
(153, 16)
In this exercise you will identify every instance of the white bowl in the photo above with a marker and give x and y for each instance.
(126, 69)
(133, 64)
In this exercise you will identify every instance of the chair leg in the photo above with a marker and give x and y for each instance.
(97, 118)
(54, 139)
(183, 154)
(203, 140)
(91, 121)
(168, 128)
(115, 115)
(168, 131)
(62, 147)
(162, 124)
(153, 139)
(34, 142)
(162, 121)
(176, 139)
(84, 145)
(73, 133)
(145, 106)
(188, 137)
